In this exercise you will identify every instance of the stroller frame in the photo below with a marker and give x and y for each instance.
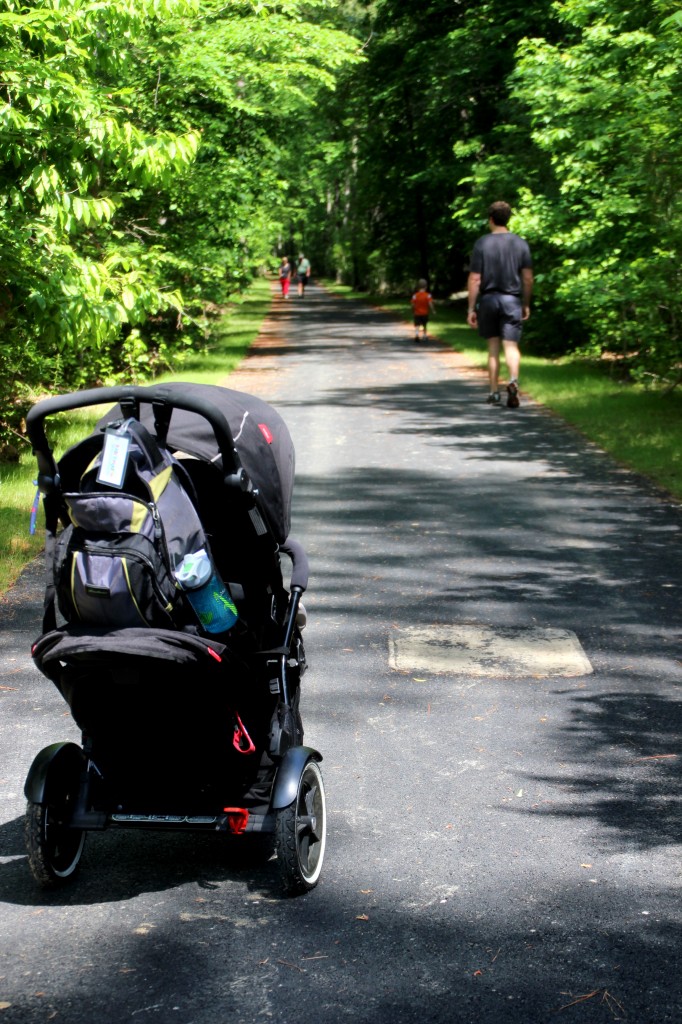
(66, 786)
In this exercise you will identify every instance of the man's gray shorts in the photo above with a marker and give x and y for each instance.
(499, 316)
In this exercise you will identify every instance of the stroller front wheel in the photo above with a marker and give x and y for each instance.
(300, 834)
(54, 849)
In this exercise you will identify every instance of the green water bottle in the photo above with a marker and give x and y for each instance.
(209, 597)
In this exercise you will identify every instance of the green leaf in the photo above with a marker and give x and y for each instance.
(128, 299)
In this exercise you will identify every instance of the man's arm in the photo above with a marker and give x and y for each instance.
(473, 288)
(527, 290)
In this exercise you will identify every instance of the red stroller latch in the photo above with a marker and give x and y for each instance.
(241, 741)
(237, 819)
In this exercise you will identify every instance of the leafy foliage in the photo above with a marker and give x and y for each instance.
(155, 154)
(139, 162)
(569, 110)
(605, 111)
(407, 126)
(589, 153)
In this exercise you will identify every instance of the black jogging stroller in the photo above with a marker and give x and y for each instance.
(182, 727)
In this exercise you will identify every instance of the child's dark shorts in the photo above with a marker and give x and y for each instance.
(421, 321)
(500, 316)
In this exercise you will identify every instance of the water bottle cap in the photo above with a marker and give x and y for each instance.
(194, 570)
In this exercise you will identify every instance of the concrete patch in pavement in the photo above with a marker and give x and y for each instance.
(494, 653)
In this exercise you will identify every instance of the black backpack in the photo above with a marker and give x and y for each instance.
(113, 566)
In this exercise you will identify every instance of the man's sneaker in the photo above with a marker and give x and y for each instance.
(494, 398)
(512, 395)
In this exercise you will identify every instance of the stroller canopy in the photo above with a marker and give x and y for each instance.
(261, 439)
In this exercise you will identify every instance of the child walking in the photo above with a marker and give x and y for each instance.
(422, 306)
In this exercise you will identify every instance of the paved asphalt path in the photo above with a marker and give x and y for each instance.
(500, 850)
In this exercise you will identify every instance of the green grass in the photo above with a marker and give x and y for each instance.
(640, 428)
(17, 492)
(233, 333)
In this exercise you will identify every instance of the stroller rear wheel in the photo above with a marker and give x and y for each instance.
(54, 849)
(300, 834)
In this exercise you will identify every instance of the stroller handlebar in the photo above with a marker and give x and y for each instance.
(134, 394)
(299, 560)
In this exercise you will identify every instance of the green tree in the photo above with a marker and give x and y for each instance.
(71, 156)
(250, 75)
(591, 151)
(614, 145)
(406, 128)
(140, 152)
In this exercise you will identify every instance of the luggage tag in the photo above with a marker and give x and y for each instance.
(115, 454)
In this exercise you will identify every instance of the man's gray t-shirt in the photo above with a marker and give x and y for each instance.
(499, 258)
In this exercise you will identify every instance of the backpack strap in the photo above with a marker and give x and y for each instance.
(51, 504)
(147, 443)
(162, 416)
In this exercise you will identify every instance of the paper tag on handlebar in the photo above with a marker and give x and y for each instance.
(115, 454)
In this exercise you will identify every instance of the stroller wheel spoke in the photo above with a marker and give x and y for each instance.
(311, 798)
(306, 826)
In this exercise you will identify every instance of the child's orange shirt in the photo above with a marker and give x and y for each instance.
(421, 303)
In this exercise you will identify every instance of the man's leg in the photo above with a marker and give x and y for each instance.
(512, 357)
(493, 363)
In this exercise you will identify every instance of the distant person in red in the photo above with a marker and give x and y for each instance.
(422, 306)
(285, 276)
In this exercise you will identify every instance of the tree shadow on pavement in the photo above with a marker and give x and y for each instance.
(432, 962)
(623, 749)
(120, 865)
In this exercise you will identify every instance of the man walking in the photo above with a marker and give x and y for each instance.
(500, 287)
(302, 272)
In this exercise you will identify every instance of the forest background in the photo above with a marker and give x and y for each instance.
(157, 154)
